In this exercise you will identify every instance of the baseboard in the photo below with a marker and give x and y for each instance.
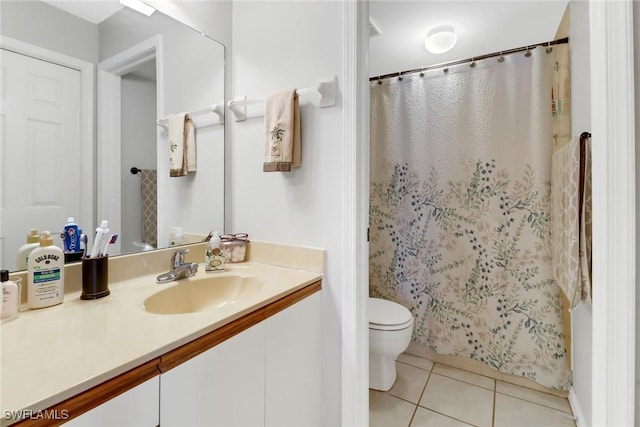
(577, 410)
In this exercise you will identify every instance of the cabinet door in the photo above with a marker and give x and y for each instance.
(136, 407)
(294, 365)
(224, 386)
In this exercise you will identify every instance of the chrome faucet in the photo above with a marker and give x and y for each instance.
(179, 268)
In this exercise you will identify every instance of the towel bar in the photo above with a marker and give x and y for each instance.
(327, 89)
(217, 109)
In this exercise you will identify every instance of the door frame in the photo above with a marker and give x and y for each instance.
(614, 214)
(109, 141)
(87, 114)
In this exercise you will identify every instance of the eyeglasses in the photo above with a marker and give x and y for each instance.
(232, 237)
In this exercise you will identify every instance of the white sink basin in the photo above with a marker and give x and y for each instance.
(202, 293)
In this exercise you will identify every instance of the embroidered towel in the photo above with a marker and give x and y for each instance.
(282, 132)
(182, 145)
(571, 220)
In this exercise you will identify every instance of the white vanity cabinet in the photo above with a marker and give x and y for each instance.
(222, 387)
(294, 365)
(267, 375)
(138, 406)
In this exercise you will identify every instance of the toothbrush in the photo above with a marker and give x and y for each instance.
(112, 240)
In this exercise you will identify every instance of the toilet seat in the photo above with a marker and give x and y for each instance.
(387, 315)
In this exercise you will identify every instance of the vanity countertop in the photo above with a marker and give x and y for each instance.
(51, 354)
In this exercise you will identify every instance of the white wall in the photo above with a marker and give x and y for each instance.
(42, 25)
(581, 316)
(138, 131)
(280, 45)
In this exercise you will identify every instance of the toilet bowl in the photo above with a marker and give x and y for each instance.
(390, 328)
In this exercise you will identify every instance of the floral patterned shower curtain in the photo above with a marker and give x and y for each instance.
(460, 215)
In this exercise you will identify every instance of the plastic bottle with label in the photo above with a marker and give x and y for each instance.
(45, 273)
(33, 241)
(10, 297)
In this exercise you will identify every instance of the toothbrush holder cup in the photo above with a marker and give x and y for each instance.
(95, 278)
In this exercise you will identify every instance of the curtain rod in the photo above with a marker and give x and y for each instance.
(471, 60)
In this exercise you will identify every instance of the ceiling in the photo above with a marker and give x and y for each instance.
(94, 11)
(482, 27)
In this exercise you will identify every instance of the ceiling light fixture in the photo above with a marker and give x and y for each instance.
(441, 39)
(138, 6)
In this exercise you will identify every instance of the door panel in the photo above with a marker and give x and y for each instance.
(40, 119)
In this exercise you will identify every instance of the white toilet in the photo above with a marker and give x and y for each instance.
(390, 328)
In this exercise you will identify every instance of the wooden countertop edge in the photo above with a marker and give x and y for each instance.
(95, 396)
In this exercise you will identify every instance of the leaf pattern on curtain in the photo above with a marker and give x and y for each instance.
(464, 255)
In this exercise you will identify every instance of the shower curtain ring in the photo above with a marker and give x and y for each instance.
(549, 48)
(445, 70)
(528, 52)
(501, 58)
(379, 80)
(422, 72)
(473, 62)
(400, 76)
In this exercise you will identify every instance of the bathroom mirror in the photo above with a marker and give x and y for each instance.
(123, 71)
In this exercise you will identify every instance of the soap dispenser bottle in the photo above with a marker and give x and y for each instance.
(33, 241)
(45, 285)
(213, 257)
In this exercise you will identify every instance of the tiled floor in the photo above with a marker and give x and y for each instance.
(432, 394)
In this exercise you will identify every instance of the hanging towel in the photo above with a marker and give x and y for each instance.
(571, 220)
(182, 145)
(585, 217)
(149, 214)
(282, 132)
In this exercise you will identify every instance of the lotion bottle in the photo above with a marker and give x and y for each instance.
(45, 272)
(33, 241)
(213, 257)
(10, 297)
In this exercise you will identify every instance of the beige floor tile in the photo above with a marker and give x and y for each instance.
(427, 418)
(513, 412)
(388, 411)
(457, 399)
(534, 396)
(409, 383)
(530, 384)
(417, 350)
(468, 377)
(418, 362)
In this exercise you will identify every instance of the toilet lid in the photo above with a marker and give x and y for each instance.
(384, 314)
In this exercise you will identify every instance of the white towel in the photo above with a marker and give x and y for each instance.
(571, 220)
(282, 132)
(182, 145)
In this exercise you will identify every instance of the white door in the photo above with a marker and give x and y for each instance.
(39, 150)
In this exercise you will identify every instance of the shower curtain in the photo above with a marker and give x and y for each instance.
(460, 212)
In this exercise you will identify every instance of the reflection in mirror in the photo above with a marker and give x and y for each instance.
(80, 102)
